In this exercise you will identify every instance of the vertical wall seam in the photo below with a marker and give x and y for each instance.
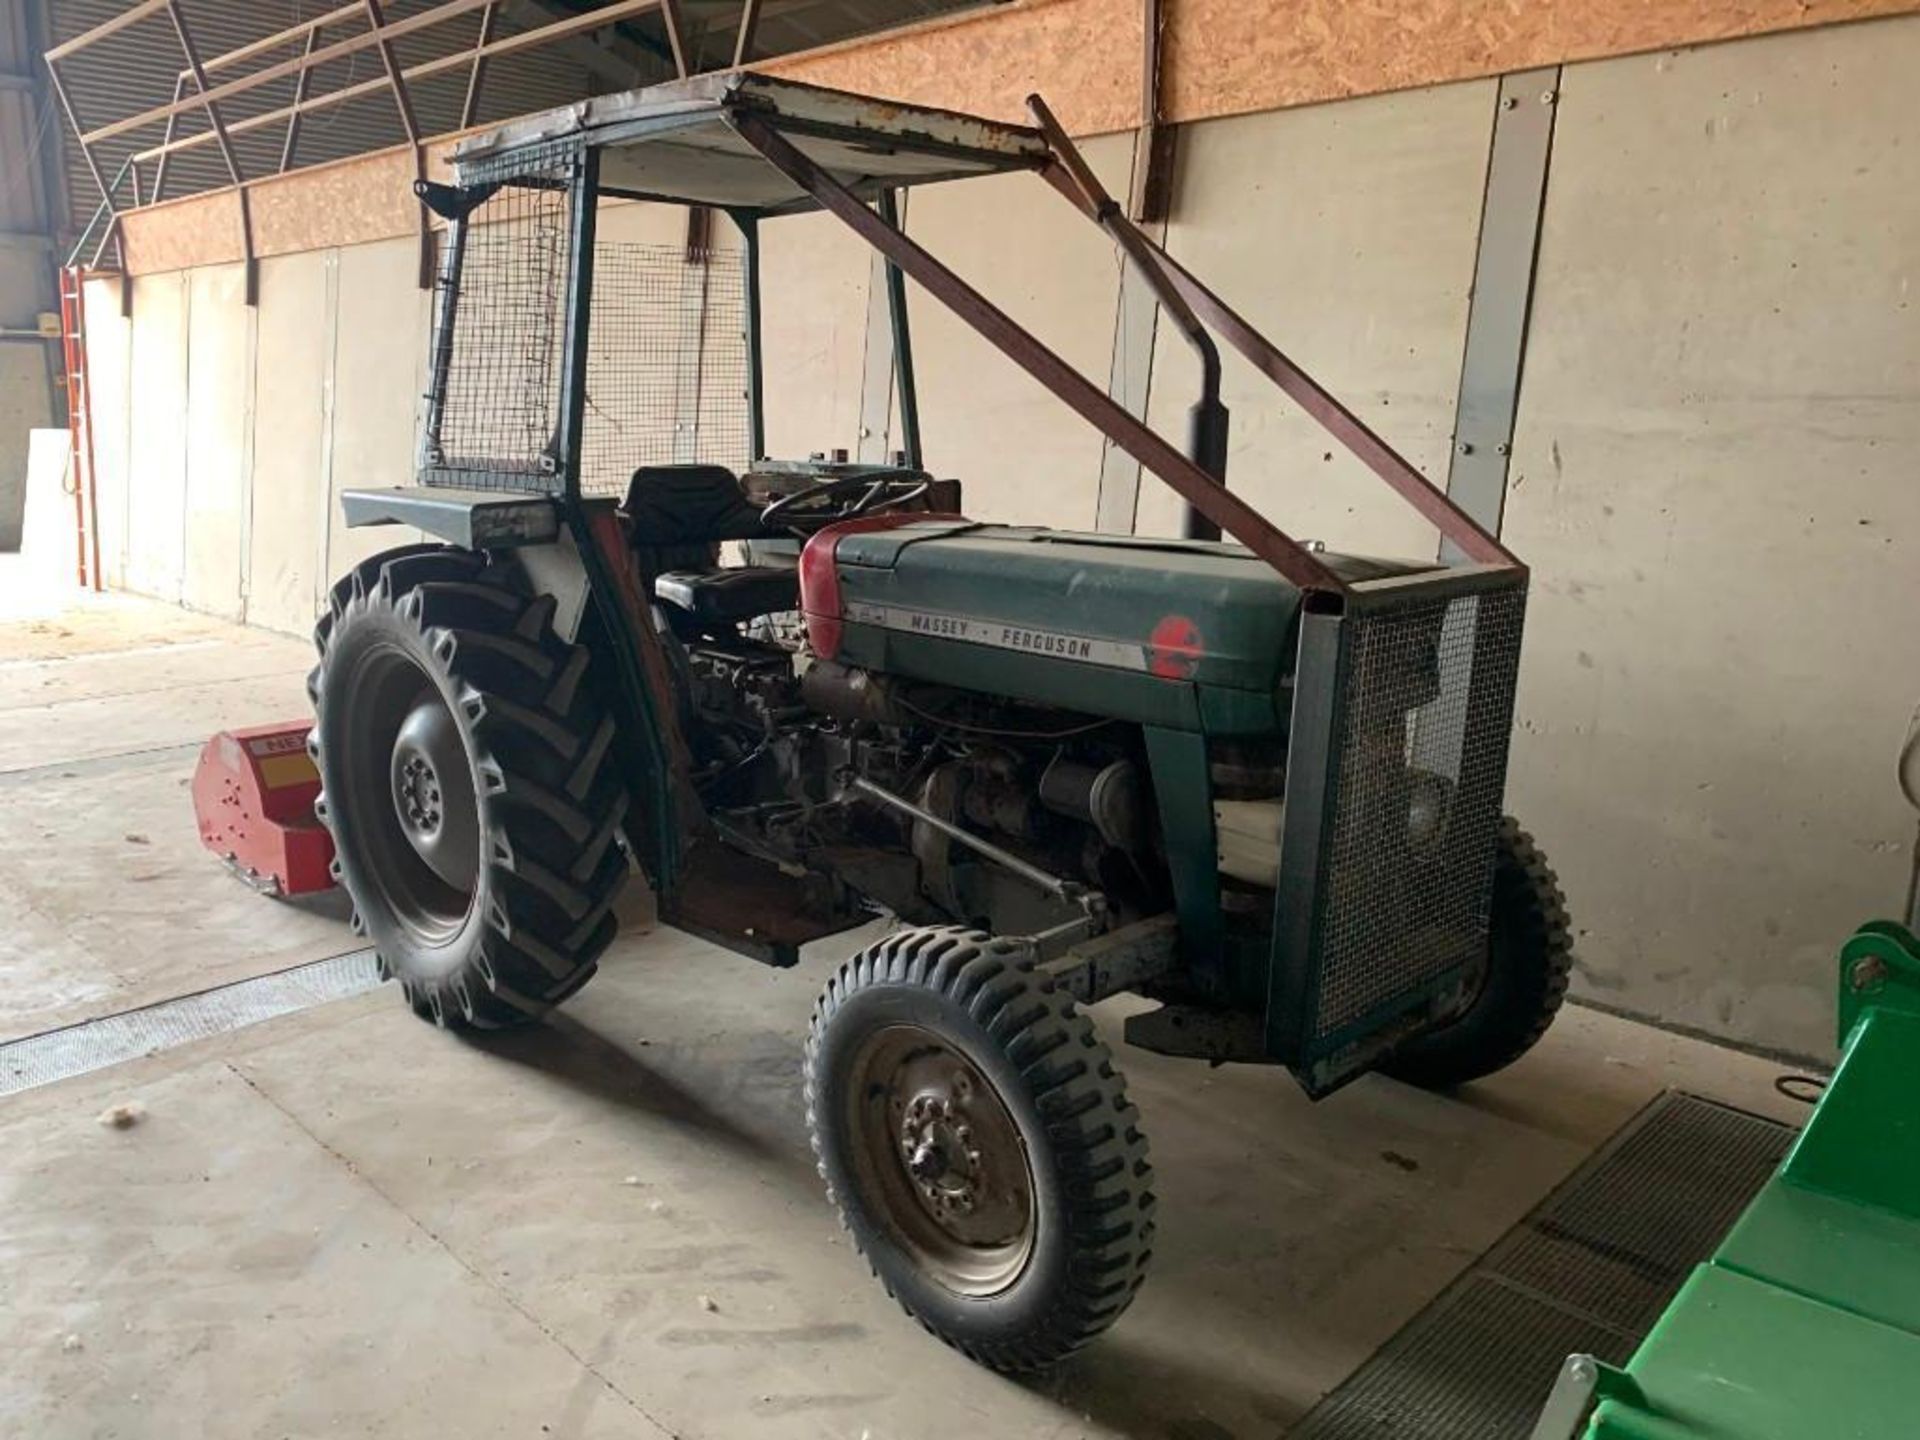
(186, 432)
(1136, 324)
(878, 364)
(330, 327)
(249, 421)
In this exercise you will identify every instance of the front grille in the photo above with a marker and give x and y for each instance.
(1418, 765)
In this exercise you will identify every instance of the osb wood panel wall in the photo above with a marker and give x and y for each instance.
(1230, 57)
(346, 202)
(1222, 57)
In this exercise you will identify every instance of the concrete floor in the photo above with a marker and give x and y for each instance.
(344, 1222)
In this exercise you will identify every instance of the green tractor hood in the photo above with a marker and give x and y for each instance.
(1188, 634)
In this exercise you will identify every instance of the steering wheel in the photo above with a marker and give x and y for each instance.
(834, 499)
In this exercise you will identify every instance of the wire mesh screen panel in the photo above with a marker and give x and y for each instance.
(492, 410)
(666, 363)
(1418, 766)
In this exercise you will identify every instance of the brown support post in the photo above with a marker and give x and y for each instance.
(743, 40)
(470, 106)
(1150, 189)
(300, 85)
(1199, 489)
(403, 102)
(219, 125)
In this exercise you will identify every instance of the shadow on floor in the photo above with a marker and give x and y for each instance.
(1122, 1383)
(595, 1065)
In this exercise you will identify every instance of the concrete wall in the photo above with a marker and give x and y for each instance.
(1714, 479)
(223, 435)
(25, 393)
(1022, 455)
(1346, 233)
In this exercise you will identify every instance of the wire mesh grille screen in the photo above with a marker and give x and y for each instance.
(493, 404)
(1420, 769)
(666, 363)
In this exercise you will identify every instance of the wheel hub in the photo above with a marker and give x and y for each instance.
(437, 815)
(938, 1145)
(944, 1159)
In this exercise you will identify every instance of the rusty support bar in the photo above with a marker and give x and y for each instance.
(1341, 423)
(1207, 420)
(470, 106)
(743, 39)
(300, 85)
(1306, 392)
(1232, 514)
(192, 53)
(493, 49)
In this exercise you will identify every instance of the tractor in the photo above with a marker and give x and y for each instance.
(1255, 782)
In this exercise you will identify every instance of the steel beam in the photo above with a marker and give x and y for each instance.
(1502, 296)
(470, 104)
(1130, 384)
(743, 38)
(492, 50)
(219, 125)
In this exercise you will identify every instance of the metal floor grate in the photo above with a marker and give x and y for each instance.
(1588, 1271)
(112, 1039)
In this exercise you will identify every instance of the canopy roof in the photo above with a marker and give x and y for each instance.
(678, 142)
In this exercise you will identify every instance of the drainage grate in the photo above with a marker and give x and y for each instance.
(1588, 1271)
(113, 1039)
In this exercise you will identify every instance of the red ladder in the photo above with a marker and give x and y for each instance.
(73, 340)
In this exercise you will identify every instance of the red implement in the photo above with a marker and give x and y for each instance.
(253, 794)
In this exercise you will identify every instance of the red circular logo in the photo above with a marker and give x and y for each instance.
(1173, 651)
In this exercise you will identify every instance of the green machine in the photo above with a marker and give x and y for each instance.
(1806, 1322)
(1255, 782)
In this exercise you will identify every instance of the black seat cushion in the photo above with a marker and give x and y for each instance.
(717, 598)
(671, 505)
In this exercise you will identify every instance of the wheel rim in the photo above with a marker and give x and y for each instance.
(407, 791)
(939, 1151)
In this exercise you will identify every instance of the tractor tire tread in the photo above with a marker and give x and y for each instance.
(554, 874)
(1490, 1037)
(1105, 1174)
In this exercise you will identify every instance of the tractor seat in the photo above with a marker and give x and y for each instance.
(718, 599)
(678, 505)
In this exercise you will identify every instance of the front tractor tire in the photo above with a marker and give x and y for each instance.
(466, 778)
(1519, 988)
(978, 1143)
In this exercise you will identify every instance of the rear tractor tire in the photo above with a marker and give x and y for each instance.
(1518, 990)
(979, 1146)
(466, 778)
